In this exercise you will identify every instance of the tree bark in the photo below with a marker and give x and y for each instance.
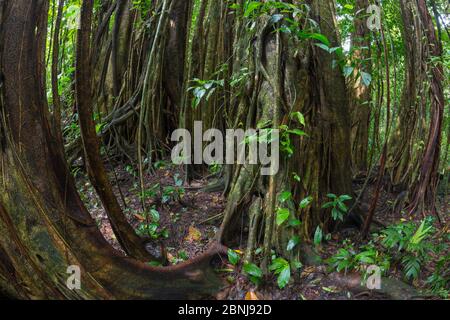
(425, 188)
(57, 124)
(402, 160)
(44, 226)
(299, 77)
(360, 95)
(126, 236)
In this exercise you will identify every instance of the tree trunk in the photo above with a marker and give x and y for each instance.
(130, 242)
(402, 160)
(285, 82)
(44, 227)
(425, 187)
(360, 95)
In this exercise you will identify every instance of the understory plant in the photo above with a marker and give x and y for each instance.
(405, 245)
(150, 225)
(410, 245)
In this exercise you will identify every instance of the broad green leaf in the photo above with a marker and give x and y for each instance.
(251, 8)
(284, 277)
(366, 78)
(348, 71)
(293, 243)
(233, 257)
(285, 196)
(295, 223)
(342, 206)
(337, 215)
(282, 215)
(297, 265)
(253, 270)
(323, 46)
(318, 236)
(306, 202)
(299, 117)
(338, 50)
(297, 132)
(320, 37)
(155, 215)
(278, 265)
(345, 198)
(328, 205)
(276, 18)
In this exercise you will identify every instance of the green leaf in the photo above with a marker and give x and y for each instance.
(282, 215)
(337, 215)
(299, 117)
(285, 196)
(276, 18)
(421, 234)
(328, 205)
(412, 267)
(253, 270)
(306, 202)
(366, 78)
(293, 243)
(278, 265)
(252, 7)
(297, 265)
(155, 264)
(295, 223)
(99, 127)
(318, 236)
(199, 92)
(320, 37)
(345, 198)
(365, 258)
(338, 50)
(297, 132)
(323, 46)
(233, 257)
(342, 206)
(348, 71)
(284, 277)
(154, 215)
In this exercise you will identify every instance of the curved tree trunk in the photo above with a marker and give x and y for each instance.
(125, 234)
(44, 227)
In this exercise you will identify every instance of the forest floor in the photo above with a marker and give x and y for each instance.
(190, 218)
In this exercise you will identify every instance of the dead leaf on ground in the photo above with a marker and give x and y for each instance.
(139, 217)
(194, 235)
(251, 296)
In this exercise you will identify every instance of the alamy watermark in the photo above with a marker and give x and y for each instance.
(374, 21)
(374, 278)
(74, 280)
(236, 146)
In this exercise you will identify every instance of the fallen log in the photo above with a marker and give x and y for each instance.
(391, 288)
